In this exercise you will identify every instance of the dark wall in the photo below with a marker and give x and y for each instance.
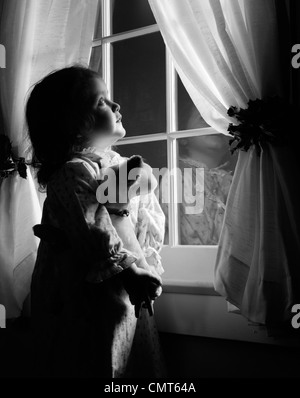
(189, 356)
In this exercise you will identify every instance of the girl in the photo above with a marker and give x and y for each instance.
(85, 284)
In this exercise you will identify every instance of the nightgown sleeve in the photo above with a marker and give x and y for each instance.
(149, 221)
(87, 224)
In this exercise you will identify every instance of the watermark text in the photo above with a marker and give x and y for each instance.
(2, 57)
(189, 184)
(296, 318)
(2, 317)
(296, 57)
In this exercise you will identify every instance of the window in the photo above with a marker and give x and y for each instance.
(162, 123)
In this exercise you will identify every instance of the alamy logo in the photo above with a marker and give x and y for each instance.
(296, 57)
(190, 186)
(2, 57)
(296, 318)
(2, 317)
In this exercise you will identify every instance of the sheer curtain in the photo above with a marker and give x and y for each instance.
(226, 53)
(39, 36)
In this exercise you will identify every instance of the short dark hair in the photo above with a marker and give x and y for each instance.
(59, 114)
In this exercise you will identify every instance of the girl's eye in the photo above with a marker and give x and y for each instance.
(101, 102)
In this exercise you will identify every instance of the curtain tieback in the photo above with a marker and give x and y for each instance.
(264, 121)
(9, 164)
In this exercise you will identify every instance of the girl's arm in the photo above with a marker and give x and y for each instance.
(87, 224)
(126, 232)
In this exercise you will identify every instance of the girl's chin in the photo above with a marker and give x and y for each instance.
(120, 132)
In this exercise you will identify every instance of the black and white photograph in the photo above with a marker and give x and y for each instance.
(149, 199)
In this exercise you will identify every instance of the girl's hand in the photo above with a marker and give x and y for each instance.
(148, 302)
(142, 287)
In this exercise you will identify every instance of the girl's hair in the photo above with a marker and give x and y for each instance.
(59, 114)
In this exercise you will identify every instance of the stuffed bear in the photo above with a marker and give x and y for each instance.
(131, 178)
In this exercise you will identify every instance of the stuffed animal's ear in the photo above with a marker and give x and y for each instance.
(135, 161)
(122, 184)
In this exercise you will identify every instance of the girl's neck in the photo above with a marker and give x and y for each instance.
(93, 149)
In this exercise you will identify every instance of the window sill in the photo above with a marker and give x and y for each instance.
(189, 270)
(188, 287)
(189, 305)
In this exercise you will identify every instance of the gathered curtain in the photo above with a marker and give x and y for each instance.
(227, 53)
(38, 36)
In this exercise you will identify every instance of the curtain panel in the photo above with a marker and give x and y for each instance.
(39, 36)
(227, 53)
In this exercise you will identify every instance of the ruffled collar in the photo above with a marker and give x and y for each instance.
(106, 157)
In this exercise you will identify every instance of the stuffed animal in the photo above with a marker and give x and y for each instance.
(124, 181)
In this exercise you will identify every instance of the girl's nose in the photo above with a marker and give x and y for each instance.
(115, 107)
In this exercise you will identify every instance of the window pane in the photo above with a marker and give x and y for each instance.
(155, 154)
(139, 83)
(188, 115)
(96, 59)
(98, 26)
(131, 14)
(207, 167)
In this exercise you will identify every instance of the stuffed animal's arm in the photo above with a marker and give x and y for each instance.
(150, 227)
(125, 230)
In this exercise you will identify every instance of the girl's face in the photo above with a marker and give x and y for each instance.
(108, 126)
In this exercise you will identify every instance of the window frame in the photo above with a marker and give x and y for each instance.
(171, 134)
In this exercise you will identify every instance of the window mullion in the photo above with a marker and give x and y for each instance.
(116, 37)
(106, 18)
(171, 95)
(106, 47)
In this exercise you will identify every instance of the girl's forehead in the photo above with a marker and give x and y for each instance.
(98, 86)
